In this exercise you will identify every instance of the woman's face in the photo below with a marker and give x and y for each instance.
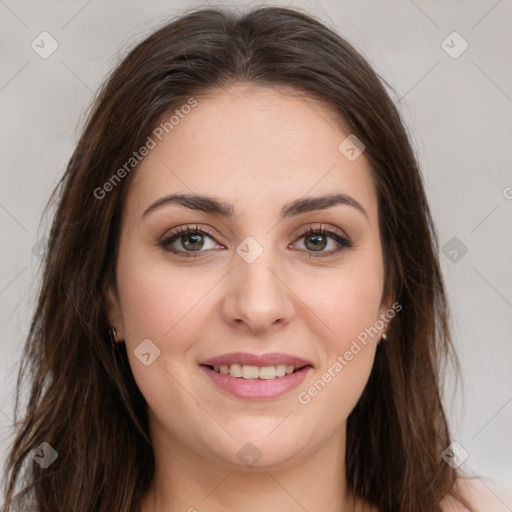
(253, 281)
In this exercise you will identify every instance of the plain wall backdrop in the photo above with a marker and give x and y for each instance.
(451, 67)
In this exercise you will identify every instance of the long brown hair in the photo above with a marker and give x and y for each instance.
(83, 400)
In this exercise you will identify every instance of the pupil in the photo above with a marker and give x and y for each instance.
(318, 241)
(197, 241)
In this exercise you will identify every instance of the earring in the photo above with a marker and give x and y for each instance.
(385, 336)
(112, 332)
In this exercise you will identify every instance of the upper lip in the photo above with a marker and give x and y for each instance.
(247, 358)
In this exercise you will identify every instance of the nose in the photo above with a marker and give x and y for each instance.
(257, 296)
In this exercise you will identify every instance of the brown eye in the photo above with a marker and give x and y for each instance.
(315, 242)
(188, 242)
(192, 241)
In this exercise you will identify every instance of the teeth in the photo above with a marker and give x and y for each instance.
(235, 370)
(247, 371)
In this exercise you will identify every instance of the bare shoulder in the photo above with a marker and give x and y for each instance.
(479, 496)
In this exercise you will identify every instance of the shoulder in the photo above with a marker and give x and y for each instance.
(479, 496)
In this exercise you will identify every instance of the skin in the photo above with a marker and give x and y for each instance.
(257, 148)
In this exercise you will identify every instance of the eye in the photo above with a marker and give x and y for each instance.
(317, 239)
(189, 242)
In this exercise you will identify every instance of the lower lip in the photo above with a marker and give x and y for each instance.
(257, 389)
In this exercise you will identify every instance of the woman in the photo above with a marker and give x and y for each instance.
(241, 306)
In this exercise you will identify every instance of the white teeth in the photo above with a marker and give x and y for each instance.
(247, 371)
(281, 370)
(267, 372)
(235, 370)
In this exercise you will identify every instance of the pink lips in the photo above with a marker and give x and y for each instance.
(271, 359)
(257, 389)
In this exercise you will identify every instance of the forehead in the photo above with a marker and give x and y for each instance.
(253, 146)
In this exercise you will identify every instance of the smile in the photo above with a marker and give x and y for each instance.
(256, 383)
(247, 371)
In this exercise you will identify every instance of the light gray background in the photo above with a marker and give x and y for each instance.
(457, 110)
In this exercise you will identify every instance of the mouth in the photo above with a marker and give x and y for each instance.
(256, 376)
(237, 361)
(255, 383)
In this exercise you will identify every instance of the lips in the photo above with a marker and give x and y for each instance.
(246, 358)
(256, 389)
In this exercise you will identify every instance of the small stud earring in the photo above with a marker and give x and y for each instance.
(385, 336)
(113, 333)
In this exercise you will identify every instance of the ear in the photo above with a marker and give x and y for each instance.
(387, 311)
(114, 313)
(389, 307)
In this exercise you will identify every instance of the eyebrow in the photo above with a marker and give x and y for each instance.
(214, 206)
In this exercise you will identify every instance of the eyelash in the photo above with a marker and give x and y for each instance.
(344, 242)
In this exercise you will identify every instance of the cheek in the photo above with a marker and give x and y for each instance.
(347, 310)
(162, 305)
(156, 296)
(355, 308)
(347, 300)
